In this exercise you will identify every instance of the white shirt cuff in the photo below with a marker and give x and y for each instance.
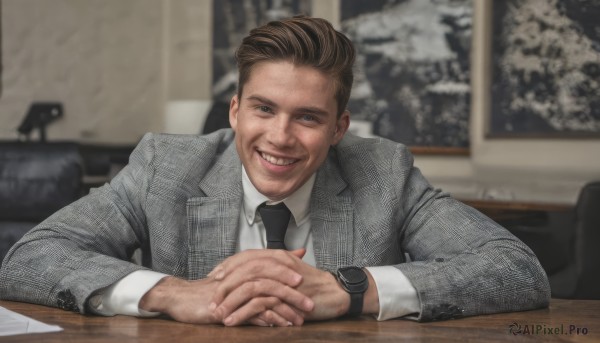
(123, 297)
(397, 296)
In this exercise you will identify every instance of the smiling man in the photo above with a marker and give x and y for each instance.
(285, 122)
(362, 230)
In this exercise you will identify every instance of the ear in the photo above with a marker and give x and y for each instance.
(234, 106)
(341, 126)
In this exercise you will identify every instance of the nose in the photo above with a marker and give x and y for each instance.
(280, 132)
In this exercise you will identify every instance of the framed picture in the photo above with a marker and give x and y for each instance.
(233, 20)
(546, 69)
(412, 80)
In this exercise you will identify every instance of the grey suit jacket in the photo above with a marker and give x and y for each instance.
(180, 197)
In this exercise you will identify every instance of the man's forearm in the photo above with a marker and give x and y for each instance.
(183, 300)
(123, 296)
(155, 299)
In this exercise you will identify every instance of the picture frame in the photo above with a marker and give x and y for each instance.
(545, 70)
(412, 74)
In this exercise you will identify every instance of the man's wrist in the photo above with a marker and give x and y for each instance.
(156, 297)
(345, 296)
(371, 298)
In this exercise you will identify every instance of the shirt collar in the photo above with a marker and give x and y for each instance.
(298, 202)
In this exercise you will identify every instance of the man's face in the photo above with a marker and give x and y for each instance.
(285, 123)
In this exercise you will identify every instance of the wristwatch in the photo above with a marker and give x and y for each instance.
(354, 281)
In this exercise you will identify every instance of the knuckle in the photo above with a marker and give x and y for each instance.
(281, 308)
(259, 304)
(279, 253)
(271, 302)
(223, 308)
(262, 285)
(286, 290)
(269, 316)
(250, 287)
(255, 267)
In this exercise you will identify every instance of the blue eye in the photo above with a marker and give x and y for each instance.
(264, 108)
(309, 117)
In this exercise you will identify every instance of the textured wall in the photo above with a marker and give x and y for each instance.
(101, 58)
(189, 49)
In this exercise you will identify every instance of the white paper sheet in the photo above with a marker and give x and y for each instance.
(12, 323)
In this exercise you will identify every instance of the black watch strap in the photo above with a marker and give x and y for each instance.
(356, 304)
(354, 281)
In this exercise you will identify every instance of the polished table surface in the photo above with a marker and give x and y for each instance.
(564, 320)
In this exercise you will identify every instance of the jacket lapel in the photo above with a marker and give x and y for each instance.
(331, 216)
(213, 218)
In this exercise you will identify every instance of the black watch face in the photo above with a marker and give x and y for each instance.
(353, 275)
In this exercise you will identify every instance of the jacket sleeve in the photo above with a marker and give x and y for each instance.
(85, 246)
(462, 262)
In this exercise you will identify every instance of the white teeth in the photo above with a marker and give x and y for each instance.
(277, 161)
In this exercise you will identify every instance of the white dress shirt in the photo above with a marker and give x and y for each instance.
(397, 296)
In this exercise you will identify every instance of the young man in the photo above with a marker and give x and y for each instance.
(193, 205)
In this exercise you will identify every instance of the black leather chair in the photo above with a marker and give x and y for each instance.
(217, 118)
(36, 180)
(580, 279)
(567, 245)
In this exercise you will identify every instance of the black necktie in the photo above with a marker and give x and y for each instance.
(276, 219)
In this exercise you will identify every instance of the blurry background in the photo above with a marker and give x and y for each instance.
(123, 68)
(499, 100)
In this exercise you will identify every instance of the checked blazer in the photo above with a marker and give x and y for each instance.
(179, 201)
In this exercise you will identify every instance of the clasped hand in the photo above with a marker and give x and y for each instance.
(303, 292)
(260, 287)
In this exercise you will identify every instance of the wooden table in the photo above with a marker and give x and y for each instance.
(562, 315)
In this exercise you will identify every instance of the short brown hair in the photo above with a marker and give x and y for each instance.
(303, 41)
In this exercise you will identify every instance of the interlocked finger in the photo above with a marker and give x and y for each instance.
(246, 294)
(264, 311)
(263, 268)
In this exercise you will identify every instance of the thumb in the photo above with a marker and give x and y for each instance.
(299, 252)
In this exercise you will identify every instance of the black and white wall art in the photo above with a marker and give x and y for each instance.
(412, 80)
(546, 69)
(233, 20)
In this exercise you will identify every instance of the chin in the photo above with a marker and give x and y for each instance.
(276, 196)
(274, 193)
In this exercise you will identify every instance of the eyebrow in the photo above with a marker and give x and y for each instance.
(308, 109)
